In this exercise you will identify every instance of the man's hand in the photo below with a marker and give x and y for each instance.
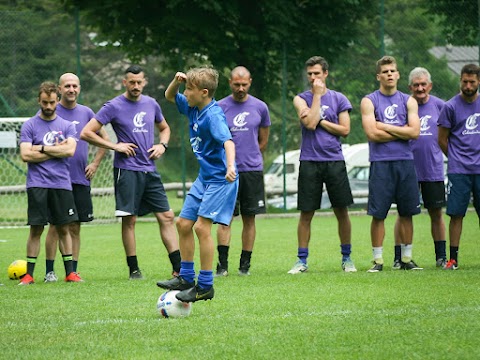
(156, 151)
(126, 148)
(231, 174)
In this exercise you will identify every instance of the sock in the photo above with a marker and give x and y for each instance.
(49, 266)
(68, 263)
(440, 249)
(303, 254)
(31, 261)
(345, 249)
(245, 258)
(132, 263)
(187, 271)
(75, 265)
(175, 260)
(398, 252)
(454, 253)
(223, 255)
(378, 254)
(205, 279)
(407, 252)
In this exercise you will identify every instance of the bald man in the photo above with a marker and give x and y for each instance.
(81, 172)
(249, 123)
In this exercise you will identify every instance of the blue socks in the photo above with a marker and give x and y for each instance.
(205, 277)
(346, 249)
(303, 254)
(187, 271)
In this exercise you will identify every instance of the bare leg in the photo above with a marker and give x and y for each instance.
(248, 232)
(304, 228)
(167, 230)
(203, 229)
(186, 239)
(128, 235)
(344, 225)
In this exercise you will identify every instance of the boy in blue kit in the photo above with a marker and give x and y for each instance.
(212, 196)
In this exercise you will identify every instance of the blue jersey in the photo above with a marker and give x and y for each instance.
(208, 133)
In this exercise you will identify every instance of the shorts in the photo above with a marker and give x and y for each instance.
(54, 206)
(433, 194)
(214, 201)
(312, 176)
(83, 202)
(393, 182)
(251, 194)
(459, 191)
(139, 193)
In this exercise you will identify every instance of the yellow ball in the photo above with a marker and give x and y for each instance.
(17, 269)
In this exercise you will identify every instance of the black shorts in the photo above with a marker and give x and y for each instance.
(54, 206)
(83, 202)
(312, 176)
(139, 193)
(251, 194)
(433, 194)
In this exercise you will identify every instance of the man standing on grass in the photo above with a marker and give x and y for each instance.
(249, 122)
(138, 186)
(459, 138)
(80, 171)
(390, 120)
(46, 143)
(428, 160)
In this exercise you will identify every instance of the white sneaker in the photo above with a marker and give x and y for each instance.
(298, 268)
(348, 266)
(50, 277)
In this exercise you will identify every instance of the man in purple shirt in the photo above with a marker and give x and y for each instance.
(46, 143)
(138, 185)
(390, 120)
(459, 138)
(249, 122)
(324, 117)
(81, 172)
(428, 160)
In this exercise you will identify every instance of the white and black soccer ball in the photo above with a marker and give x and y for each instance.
(168, 306)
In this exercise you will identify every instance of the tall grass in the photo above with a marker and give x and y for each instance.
(322, 314)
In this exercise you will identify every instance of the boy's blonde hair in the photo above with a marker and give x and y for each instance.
(204, 78)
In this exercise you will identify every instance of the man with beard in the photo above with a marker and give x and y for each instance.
(46, 142)
(459, 138)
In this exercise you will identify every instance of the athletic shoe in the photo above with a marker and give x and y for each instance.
(221, 271)
(26, 280)
(50, 277)
(73, 277)
(195, 293)
(410, 266)
(375, 268)
(298, 268)
(451, 265)
(397, 264)
(441, 263)
(176, 283)
(243, 272)
(348, 265)
(136, 275)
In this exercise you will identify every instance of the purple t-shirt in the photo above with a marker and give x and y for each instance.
(133, 122)
(52, 173)
(462, 119)
(244, 119)
(80, 115)
(390, 110)
(427, 155)
(319, 144)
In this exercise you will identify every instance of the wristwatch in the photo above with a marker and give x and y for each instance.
(165, 145)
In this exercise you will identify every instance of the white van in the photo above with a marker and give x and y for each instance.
(355, 155)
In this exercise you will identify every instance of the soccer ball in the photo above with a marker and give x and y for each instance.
(17, 269)
(169, 306)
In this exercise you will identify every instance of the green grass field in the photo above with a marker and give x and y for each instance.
(322, 314)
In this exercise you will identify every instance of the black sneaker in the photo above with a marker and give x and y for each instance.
(136, 275)
(176, 283)
(375, 268)
(195, 293)
(410, 266)
(397, 264)
(221, 270)
(244, 268)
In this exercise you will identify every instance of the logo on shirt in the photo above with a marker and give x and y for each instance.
(195, 143)
(391, 112)
(471, 125)
(239, 122)
(424, 125)
(52, 137)
(323, 110)
(138, 122)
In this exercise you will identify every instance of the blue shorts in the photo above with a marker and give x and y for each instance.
(212, 201)
(459, 190)
(393, 182)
